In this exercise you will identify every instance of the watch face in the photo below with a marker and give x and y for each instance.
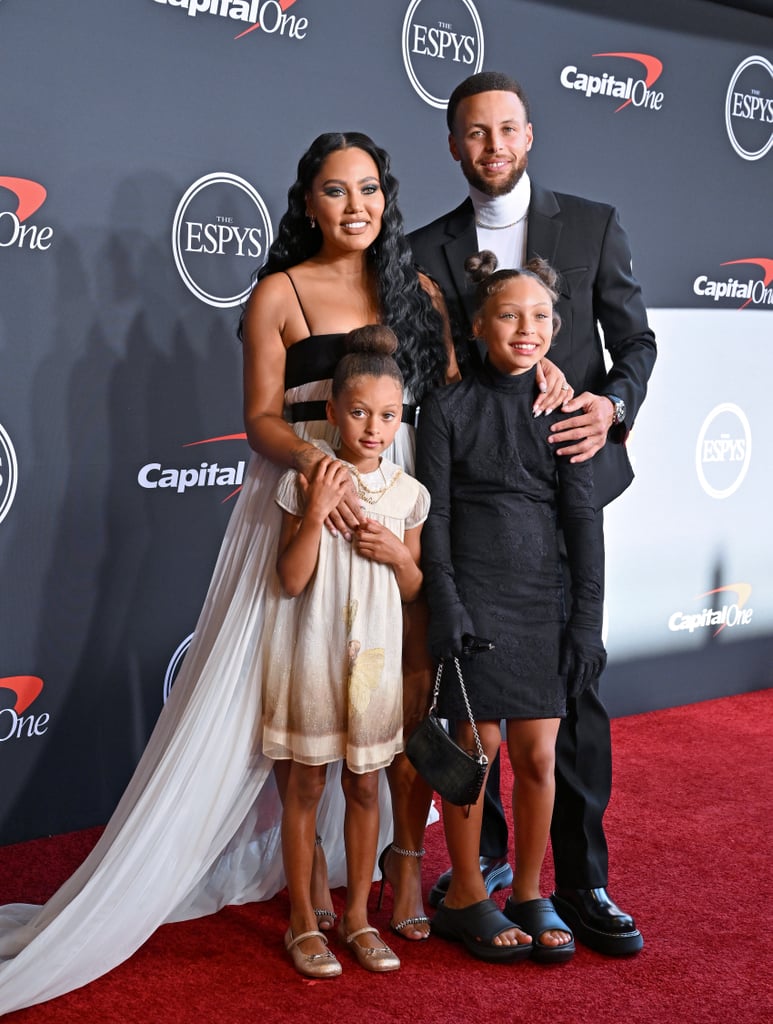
(619, 404)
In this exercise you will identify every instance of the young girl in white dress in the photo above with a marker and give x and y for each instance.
(332, 679)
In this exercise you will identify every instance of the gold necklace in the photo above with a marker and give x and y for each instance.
(373, 494)
(499, 227)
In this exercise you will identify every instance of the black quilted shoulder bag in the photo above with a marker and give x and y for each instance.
(452, 772)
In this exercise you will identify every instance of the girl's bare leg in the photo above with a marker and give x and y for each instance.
(531, 745)
(360, 839)
(302, 787)
(463, 837)
(321, 899)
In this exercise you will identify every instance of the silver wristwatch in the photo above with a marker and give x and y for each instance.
(619, 404)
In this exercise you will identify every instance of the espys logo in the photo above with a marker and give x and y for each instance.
(723, 451)
(207, 474)
(220, 230)
(442, 44)
(14, 232)
(753, 290)
(728, 614)
(9, 474)
(637, 92)
(174, 666)
(749, 108)
(267, 15)
(14, 724)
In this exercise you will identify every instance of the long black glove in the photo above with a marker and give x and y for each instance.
(583, 657)
(447, 626)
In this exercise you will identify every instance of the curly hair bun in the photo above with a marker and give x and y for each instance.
(482, 271)
(543, 270)
(481, 265)
(374, 338)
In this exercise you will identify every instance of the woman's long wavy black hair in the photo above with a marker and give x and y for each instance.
(405, 305)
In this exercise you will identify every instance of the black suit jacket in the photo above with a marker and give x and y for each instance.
(585, 242)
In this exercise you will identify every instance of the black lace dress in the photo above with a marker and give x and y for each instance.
(500, 498)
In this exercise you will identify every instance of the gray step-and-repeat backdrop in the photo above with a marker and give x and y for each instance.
(146, 148)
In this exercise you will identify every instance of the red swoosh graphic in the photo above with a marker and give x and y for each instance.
(284, 4)
(652, 67)
(225, 437)
(26, 688)
(743, 591)
(30, 194)
(767, 270)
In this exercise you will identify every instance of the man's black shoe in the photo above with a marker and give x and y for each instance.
(597, 922)
(497, 874)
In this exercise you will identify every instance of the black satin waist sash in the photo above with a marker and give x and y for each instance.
(301, 412)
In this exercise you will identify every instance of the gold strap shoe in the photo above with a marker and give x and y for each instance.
(312, 965)
(372, 958)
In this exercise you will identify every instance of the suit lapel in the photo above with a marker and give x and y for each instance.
(544, 224)
(462, 242)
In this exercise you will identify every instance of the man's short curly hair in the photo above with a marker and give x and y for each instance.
(484, 81)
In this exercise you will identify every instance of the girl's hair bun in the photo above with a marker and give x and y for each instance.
(376, 338)
(369, 353)
(481, 265)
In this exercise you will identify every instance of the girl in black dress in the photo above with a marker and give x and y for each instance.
(503, 504)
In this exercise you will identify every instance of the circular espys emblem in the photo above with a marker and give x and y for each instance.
(723, 451)
(174, 665)
(442, 44)
(221, 233)
(9, 473)
(749, 108)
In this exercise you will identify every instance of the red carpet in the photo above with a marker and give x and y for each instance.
(689, 830)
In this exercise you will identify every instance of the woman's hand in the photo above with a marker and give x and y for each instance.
(555, 390)
(326, 489)
(347, 514)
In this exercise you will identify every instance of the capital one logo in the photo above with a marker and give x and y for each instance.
(180, 479)
(720, 612)
(9, 474)
(633, 91)
(749, 108)
(26, 198)
(221, 233)
(751, 288)
(14, 723)
(442, 44)
(723, 451)
(267, 15)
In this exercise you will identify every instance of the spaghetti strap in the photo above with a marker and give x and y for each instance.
(300, 304)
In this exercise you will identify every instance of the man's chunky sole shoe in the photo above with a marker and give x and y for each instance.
(597, 922)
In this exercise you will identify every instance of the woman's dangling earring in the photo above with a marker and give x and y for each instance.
(312, 221)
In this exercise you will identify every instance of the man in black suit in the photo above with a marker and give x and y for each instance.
(490, 136)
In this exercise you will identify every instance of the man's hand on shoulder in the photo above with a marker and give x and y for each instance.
(585, 429)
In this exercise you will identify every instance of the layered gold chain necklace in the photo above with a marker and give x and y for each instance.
(371, 495)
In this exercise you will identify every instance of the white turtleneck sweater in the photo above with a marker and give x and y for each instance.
(500, 223)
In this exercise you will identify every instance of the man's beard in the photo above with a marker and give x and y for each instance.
(489, 188)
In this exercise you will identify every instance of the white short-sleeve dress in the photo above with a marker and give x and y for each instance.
(332, 675)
